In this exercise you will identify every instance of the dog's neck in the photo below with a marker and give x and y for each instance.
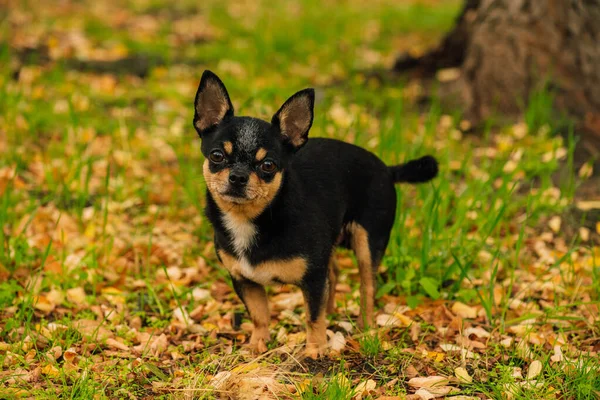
(242, 231)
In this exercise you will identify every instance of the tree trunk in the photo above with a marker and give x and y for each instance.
(508, 49)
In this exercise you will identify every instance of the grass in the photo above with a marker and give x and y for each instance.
(103, 239)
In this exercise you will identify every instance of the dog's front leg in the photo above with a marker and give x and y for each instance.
(315, 288)
(255, 299)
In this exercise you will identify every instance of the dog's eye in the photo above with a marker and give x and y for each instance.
(268, 166)
(217, 157)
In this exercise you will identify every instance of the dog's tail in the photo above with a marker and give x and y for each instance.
(420, 170)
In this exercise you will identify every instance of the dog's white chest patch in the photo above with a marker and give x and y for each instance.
(242, 233)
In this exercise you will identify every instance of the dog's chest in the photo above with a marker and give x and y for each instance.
(243, 235)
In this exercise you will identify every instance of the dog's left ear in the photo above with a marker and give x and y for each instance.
(295, 117)
(212, 104)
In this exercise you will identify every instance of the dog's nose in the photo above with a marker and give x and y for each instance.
(238, 178)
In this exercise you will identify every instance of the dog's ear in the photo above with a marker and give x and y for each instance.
(295, 117)
(212, 104)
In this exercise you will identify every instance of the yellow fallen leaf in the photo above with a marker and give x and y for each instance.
(50, 370)
(586, 170)
(244, 368)
(41, 303)
(463, 310)
(584, 233)
(463, 375)
(435, 356)
(535, 368)
(113, 295)
(364, 388)
(588, 205)
(76, 295)
(555, 223)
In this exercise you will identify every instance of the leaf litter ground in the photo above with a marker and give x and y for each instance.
(109, 285)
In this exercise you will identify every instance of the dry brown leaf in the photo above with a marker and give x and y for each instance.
(477, 331)
(337, 342)
(115, 344)
(201, 295)
(364, 388)
(70, 355)
(428, 381)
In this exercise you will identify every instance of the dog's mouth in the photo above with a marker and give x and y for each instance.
(237, 196)
(235, 199)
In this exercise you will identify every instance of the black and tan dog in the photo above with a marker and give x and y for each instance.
(280, 203)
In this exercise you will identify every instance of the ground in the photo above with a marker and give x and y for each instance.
(109, 285)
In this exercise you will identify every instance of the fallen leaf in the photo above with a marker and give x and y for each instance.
(364, 388)
(584, 233)
(337, 342)
(535, 368)
(411, 372)
(425, 394)
(555, 223)
(388, 320)
(76, 295)
(115, 344)
(463, 375)
(479, 332)
(464, 311)
(50, 370)
(181, 315)
(201, 295)
(428, 381)
(42, 303)
(558, 354)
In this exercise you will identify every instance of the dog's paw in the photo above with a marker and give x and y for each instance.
(259, 340)
(258, 347)
(314, 350)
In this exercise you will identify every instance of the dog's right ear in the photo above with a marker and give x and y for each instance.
(212, 104)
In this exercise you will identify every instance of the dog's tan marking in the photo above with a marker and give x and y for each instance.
(333, 274)
(287, 271)
(316, 332)
(260, 193)
(260, 154)
(294, 119)
(228, 147)
(230, 263)
(211, 105)
(257, 304)
(360, 244)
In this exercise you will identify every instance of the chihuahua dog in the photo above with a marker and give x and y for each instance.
(280, 204)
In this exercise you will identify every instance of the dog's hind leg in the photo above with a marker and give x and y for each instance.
(333, 275)
(315, 288)
(359, 241)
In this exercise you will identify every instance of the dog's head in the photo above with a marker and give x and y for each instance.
(246, 157)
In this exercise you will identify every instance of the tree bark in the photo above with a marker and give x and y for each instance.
(508, 49)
